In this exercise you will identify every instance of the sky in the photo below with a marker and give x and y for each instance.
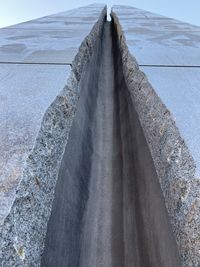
(16, 11)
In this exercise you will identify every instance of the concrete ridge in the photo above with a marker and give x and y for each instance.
(70, 64)
(36, 63)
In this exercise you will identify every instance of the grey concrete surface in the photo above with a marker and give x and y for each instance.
(108, 208)
(51, 39)
(166, 98)
(37, 105)
(157, 40)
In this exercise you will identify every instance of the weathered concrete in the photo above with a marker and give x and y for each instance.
(36, 117)
(168, 113)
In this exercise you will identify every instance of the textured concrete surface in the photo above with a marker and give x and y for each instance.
(108, 208)
(51, 39)
(38, 102)
(155, 39)
(167, 100)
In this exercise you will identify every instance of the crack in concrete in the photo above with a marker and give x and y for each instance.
(108, 208)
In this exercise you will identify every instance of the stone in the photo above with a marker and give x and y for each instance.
(39, 81)
(167, 103)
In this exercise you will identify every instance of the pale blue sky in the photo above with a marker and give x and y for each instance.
(15, 11)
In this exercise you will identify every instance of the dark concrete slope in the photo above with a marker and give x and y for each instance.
(108, 208)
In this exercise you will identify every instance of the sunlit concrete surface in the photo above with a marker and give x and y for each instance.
(51, 39)
(155, 39)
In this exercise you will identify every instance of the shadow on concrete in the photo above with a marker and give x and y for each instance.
(108, 208)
